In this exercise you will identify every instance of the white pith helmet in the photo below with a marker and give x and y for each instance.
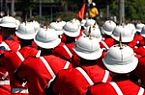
(139, 27)
(47, 38)
(71, 29)
(8, 22)
(94, 32)
(74, 20)
(36, 25)
(83, 21)
(120, 60)
(132, 27)
(26, 31)
(62, 22)
(143, 31)
(89, 22)
(88, 48)
(127, 33)
(18, 23)
(108, 27)
(57, 26)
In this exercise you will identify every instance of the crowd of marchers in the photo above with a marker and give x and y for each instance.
(71, 57)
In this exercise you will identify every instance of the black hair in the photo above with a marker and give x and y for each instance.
(45, 51)
(24, 42)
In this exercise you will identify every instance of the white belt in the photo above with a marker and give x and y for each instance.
(4, 82)
(20, 90)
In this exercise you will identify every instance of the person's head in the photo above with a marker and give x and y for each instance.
(36, 25)
(108, 27)
(93, 4)
(6, 32)
(57, 26)
(89, 22)
(8, 26)
(88, 48)
(26, 33)
(126, 33)
(139, 27)
(120, 59)
(47, 39)
(143, 32)
(71, 29)
(93, 31)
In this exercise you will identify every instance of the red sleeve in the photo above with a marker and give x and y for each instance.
(28, 51)
(22, 71)
(101, 89)
(140, 69)
(14, 45)
(109, 42)
(61, 52)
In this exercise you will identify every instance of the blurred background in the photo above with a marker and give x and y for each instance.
(67, 9)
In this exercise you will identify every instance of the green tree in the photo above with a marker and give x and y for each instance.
(135, 9)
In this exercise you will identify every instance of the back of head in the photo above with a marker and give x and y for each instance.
(47, 38)
(71, 29)
(88, 48)
(139, 27)
(94, 31)
(125, 31)
(120, 59)
(8, 22)
(26, 31)
(57, 26)
(8, 26)
(89, 22)
(108, 27)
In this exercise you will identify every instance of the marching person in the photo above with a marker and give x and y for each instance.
(127, 35)
(8, 41)
(11, 61)
(107, 29)
(140, 47)
(39, 72)
(26, 33)
(75, 81)
(71, 30)
(90, 31)
(140, 51)
(120, 61)
(138, 37)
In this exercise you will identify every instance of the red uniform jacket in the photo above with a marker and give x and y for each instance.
(11, 61)
(106, 44)
(75, 81)
(5, 88)
(140, 51)
(140, 70)
(40, 72)
(139, 40)
(135, 41)
(125, 87)
(64, 51)
(12, 45)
